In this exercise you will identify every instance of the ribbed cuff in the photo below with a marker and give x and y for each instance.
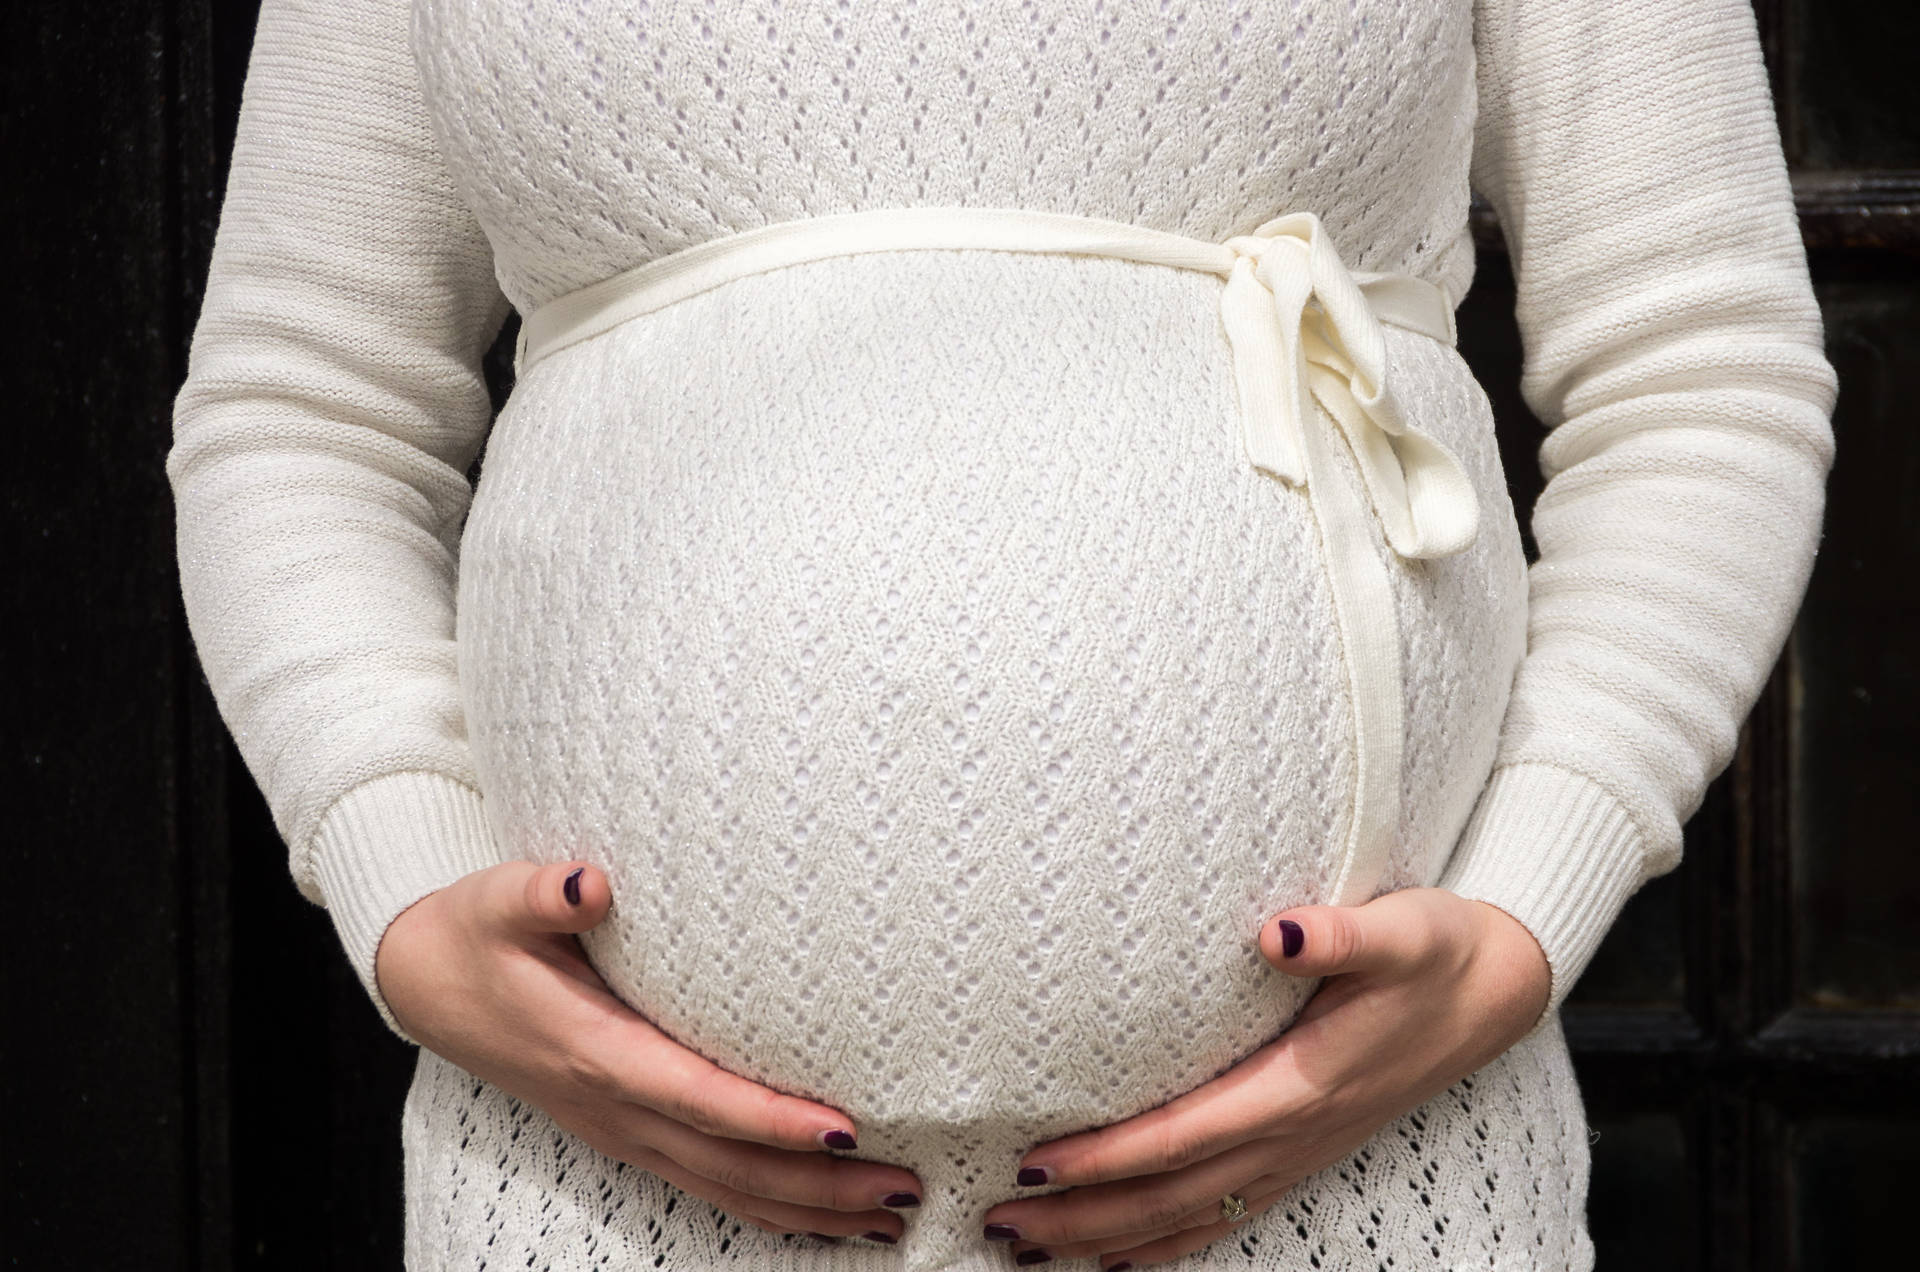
(1553, 849)
(384, 845)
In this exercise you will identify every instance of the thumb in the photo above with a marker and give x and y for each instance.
(566, 896)
(1327, 940)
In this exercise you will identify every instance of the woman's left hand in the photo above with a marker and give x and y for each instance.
(1424, 988)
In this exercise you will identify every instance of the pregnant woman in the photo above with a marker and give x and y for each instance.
(988, 704)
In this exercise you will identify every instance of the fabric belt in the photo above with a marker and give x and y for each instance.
(1302, 328)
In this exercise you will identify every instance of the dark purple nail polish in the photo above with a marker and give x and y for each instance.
(1002, 1232)
(899, 1200)
(884, 1238)
(1121, 1266)
(1026, 1257)
(572, 886)
(1032, 1176)
(837, 1139)
(821, 1236)
(1292, 937)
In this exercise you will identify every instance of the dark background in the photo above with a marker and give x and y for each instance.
(194, 1079)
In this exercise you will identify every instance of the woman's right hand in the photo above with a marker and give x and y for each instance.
(487, 972)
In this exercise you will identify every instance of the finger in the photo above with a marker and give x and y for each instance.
(1397, 933)
(617, 1052)
(1116, 1242)
(1248, 1101)
(882, 1226)
(533, 900)
(623, 1056)
(803, 1178)
(1150, 1203)
(1172, 1245)
(1199, 1217)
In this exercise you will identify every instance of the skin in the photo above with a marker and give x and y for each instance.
(1424, 988)
(488, 972)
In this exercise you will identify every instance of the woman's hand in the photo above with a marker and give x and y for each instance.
(488, 973)
(1425, 987)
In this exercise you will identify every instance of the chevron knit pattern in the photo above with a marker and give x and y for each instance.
(904, 634)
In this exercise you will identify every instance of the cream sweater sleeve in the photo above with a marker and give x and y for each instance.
(333, 404)
(1674, 350)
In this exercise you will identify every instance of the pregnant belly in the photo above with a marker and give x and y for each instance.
(946, 700)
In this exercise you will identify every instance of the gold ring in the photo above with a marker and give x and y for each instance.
(1232, 1208)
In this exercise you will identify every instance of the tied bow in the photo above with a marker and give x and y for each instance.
(1301, 325)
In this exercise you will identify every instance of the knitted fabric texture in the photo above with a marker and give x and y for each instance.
(904, 635)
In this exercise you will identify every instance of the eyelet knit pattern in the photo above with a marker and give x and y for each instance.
(589, 137)
(905, 635)
(946, 765)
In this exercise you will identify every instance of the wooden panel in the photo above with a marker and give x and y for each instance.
(1852, 1179)
(1641, 963)
(1850, 65)
(319, 1079)
(99, 1082)
(1855, 744)
(1640, 1206)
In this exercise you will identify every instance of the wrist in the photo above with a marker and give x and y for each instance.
(1516, 962)
(1554, 851)
(385, 845)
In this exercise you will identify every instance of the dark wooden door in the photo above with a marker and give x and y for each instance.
(194, 1079)
(1747, 1037)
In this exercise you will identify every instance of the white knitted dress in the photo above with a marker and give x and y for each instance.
(905, 634)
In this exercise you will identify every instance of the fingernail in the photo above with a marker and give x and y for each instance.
(1033, 1176)
(821, 1236)
(572, 886)
(1032, 1256)
(884, 1238)
(1002, 1232)
(1121, 1266)
(900, 1200)
(1292, 937)
(837, 1139)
